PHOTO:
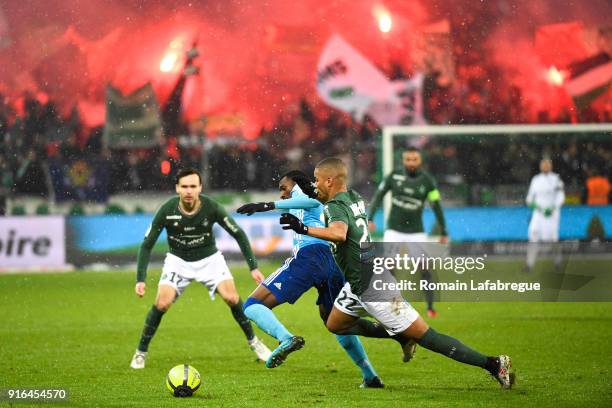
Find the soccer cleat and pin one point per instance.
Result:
(260, 349)
(138, 361)
(279, 355)
(409, 348)
(431, 313)
(504, 373)
(375, 382)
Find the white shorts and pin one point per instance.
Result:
(544, 229)
(396, 236)
(395, 316)
(413, 244)
(209, 271)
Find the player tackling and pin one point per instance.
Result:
(311, 266)
(410, 189)
(346, 226)
(188, 220)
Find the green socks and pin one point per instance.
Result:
(242, 320)
(451, 347)
(367, 328)
(151, 324)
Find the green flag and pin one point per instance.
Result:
(132, 120)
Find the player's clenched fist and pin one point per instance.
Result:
(290, 221)
(140, 289)
(257, 276)
(252, 208)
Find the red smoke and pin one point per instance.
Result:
(256, 57)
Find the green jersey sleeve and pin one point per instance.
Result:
(382, 189)
(433, 196)
(335, 212)
(150, 238)
(232, 228)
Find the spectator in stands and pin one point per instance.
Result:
(6, 184)
(597, 188)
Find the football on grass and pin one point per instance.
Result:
(183, 380)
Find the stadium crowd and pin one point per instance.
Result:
(36, 141)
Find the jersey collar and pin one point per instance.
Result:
(296, 190)
(417, 173)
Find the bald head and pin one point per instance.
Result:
(330, 178)
(546, 165)
(333, 167)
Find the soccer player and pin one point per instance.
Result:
(312, 265)
(188, 220)
(545, 197)
(346, 226)
(410, 188)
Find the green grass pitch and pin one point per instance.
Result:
(78, 331)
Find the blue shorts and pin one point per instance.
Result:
(312, 266)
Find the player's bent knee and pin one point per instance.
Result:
(163, 304)
(250, 302)
(232, 299)
(165, 297)
(333, 327)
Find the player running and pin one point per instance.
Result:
(312, 265)
(346, 226)
(410, 188)
(188, 220)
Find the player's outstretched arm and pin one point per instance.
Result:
(252, 208)
(296, 203)
(300, 202)
(335, 232)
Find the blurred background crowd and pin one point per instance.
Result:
(50, 151)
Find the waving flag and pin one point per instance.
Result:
(347, 81)
(132, 120)
(589, 78)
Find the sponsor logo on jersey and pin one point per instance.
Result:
(174, 217)
(197, 239)
(407, 203)
(278, 285)
(189, 228)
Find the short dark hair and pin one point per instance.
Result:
(187, 172)
(412, 149)
(336, 165)
(293, 174)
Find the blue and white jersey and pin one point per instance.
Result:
(309, 211)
